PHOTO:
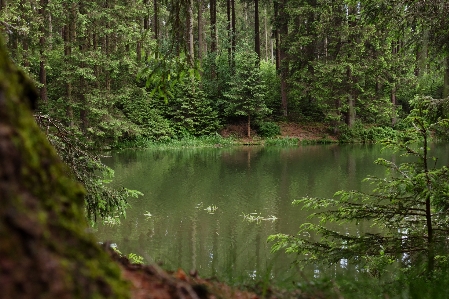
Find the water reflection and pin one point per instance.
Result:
(192, 212)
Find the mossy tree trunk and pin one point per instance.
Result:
(45, 251)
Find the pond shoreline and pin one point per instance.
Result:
(291, 134)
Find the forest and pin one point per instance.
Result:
(163, 70)
(116, 74)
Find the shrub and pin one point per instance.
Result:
(268, 129)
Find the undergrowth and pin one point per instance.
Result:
(203, 141)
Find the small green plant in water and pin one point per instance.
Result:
(111, 220)
(211, 209)
(132, 257)
(256, 217)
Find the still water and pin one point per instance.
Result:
(192, 214)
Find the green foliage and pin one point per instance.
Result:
(191, 111)
(343, 60)
(272, 82)
(363, 134)
(287, 141)
(217, 72)
(132, 257)
(101, 199)
(268, 129)
(247, 91)
(408, 210)
(136, 106)
(213, 140)
(185, 106)
(163, 75)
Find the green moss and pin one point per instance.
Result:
(42, 224)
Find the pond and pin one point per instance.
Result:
(212, 209)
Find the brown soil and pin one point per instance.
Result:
(309, 131)
(151, 282)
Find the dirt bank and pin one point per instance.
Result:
(309, 132)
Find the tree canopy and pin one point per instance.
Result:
(112, 68)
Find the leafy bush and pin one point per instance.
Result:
(360, 133)
(191, 111)
(268, 129)
(136, 105)
(247, 90)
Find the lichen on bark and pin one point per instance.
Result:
(45, 249)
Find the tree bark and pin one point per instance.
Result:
(200, 30)
(228, 27)
(393, 105)
(82, 86)
(276, 35)
(350, 79)
(45, 249)
(249, 126)
(213, 34)
(446, 77)
(42, 51)
(267, 57)
(233, 36)
(156, 26)
(190, 33)
(213, 26)
(283, 63)
(256, 29)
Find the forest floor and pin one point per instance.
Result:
(303, 132)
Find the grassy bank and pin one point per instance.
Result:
(219, 141)
(289, 134)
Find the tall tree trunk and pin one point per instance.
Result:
(156, 26)
(394, 52)
(233, 31)
(266, 34)
(190, 33)
(351, 80)
(24, 37)
(146, 25)
(139, 51)
(213, 34)
(228, 28)
(350, 114)
(276, 35)
(68, 84)
(42, 51)
(249, 126)
(446, 77)
(95, 48)
(200, 30)
(82, 86)
(43, 76)
(69, 39)
(422, 54)
(108, 49)
(256, 29)
(213, 26)
(283, 63)
(393, 105)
